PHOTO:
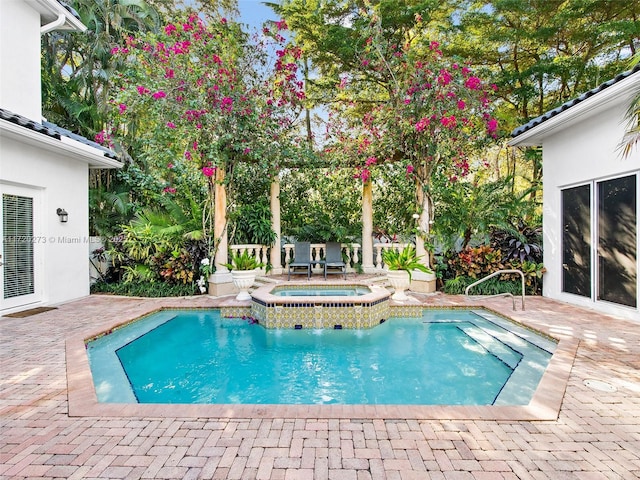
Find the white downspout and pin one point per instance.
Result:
(53, 25)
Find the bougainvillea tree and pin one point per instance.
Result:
(200, 97)
(433, 115)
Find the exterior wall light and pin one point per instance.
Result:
(62, 213)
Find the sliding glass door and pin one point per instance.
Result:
(576, 240)
(617, 241)
(600, 240)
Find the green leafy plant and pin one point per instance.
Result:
(532, 274)
(243, 261)
(145, 289)
(405, 259)
(493, 286)
(252, 224)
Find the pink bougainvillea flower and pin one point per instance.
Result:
(143, 90)
(170, 165)
(449, 122)
(169, 73)
(158, 95)
(171, 125)
(101, 137)
(169, 29)
(365, 63)
(410, 169)
(208, 171)
(282, 25)
(169, 190)
(492, 126)
(461, 104)
(473, 83)
(122, 108)
(246, 151)
(226, 104)
(445, 77)
(422, 124)
(187, 155)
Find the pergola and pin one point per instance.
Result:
(220, 283)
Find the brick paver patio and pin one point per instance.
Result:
(596, 434)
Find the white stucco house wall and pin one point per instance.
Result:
(591, 194)
(43, 168)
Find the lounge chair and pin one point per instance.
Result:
(301, 262)
(333, 260)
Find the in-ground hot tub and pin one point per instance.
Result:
(308, 305)
(307, 290)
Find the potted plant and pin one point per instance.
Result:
(243, 272)
(400, 263)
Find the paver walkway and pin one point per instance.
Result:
(596, 434)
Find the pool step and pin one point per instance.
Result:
(261, 281)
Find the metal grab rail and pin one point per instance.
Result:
(499, 272)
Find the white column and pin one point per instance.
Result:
(423, 282)
(367, 228)
(220, 283)
(275, 259)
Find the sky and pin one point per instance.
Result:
(254, 12)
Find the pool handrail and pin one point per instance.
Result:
(499, 272)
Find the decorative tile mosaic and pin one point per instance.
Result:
(235, 312)
(325, 315)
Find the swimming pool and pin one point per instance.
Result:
(450, 357)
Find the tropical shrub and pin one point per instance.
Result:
(493, 286)
(475, 262)
(145, 289)
(472, 264)
(251, 224)
(523, 243)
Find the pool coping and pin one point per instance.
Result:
(545, 404)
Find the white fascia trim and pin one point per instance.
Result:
(52, 9)
(66, 146)
(616, 93)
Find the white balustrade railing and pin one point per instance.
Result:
(352, 252)
(378, 249)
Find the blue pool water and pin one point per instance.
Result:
(320, 291)
(448, 357)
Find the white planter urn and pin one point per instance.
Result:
(243, 279)
(400, 281)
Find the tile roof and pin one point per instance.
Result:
(565, 106)
(54, 131)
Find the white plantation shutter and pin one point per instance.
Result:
(17, 255)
